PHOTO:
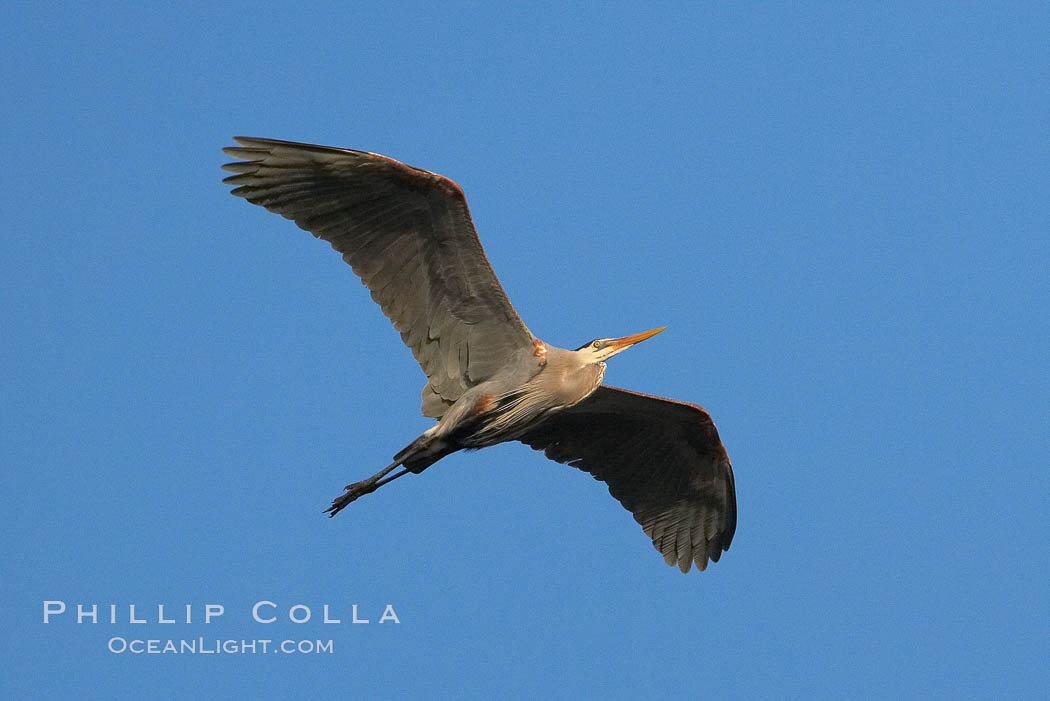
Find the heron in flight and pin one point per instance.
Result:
(408, 234)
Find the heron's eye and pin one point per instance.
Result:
(597, 344)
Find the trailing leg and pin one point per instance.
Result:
(359, 489)
(415, 457)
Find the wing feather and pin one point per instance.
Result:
(407, 233)
(661, 459)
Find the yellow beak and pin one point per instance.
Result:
(626, 341)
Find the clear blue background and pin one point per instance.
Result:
(840, 212)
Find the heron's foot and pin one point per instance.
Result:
(353, 492)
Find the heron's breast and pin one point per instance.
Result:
(565, 386)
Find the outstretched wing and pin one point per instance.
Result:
(662, 460)
(408, 234)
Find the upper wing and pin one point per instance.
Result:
(408, 234)
(662, 460)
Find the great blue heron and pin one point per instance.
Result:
(409, 236)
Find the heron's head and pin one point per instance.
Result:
(601, 349)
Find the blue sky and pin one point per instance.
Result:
(841, 214)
